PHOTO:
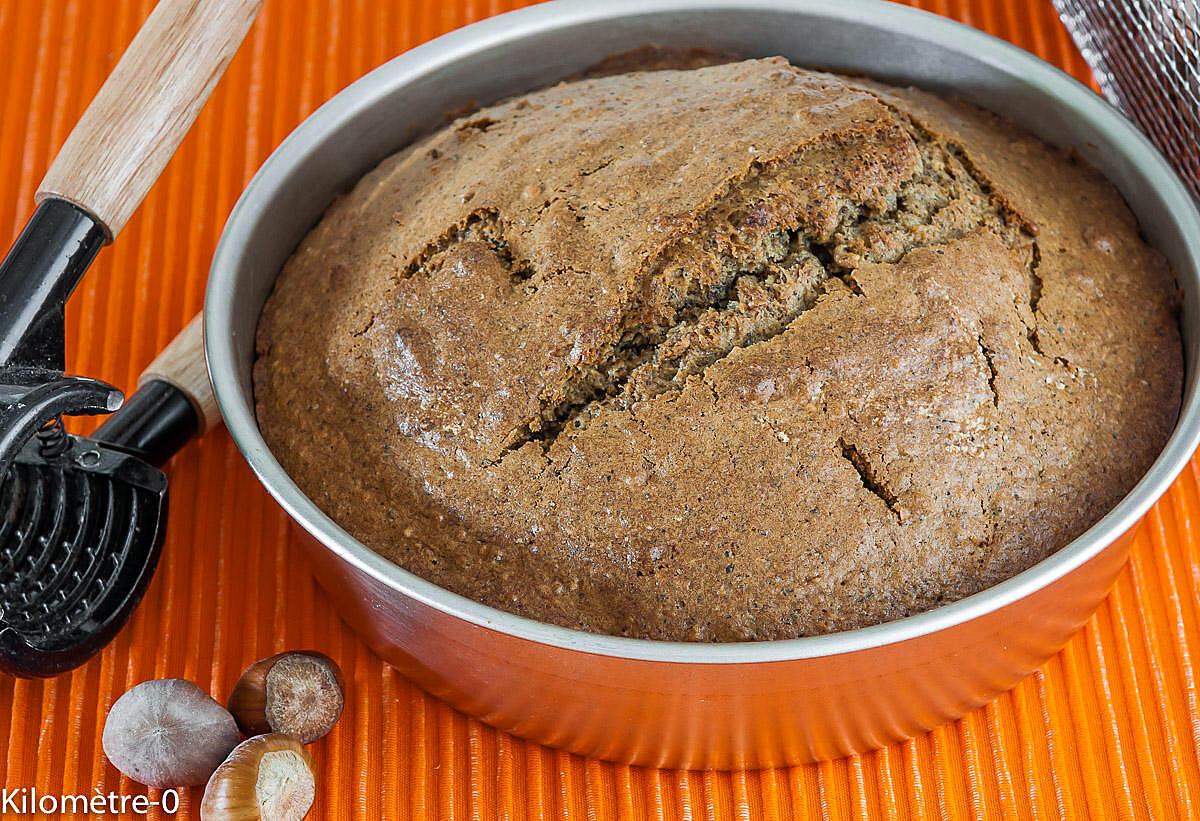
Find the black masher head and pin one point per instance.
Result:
(81, 533)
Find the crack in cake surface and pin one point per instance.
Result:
(870, 478)
(988, 355)
(1035, 294)
(484, 226)
(787, 260)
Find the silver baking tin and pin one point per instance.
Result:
(669, 703)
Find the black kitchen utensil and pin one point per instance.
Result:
(83, 518)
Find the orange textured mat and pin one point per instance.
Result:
(1108, 728)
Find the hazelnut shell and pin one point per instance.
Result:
(168, 733)
(300, 693)
(266, 777)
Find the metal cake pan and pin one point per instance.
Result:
(680, 704)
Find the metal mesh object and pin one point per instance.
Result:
(1146, 57)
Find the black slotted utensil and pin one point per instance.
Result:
(83, 518)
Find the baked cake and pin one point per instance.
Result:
(736, 352)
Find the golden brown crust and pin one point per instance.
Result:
(738, 352)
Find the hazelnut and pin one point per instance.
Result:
(168, 733)
(300, 693)
(268, 777)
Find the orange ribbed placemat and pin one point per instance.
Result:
(1110, 727)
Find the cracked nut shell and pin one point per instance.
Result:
(266, 777)
(300, 693)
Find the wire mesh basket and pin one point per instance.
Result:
(1146, 57)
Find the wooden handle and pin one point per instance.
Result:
(181, 363)
(145, 107)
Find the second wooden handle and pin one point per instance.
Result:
(146, 106)
(181, 363)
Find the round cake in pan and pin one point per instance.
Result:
(728, 353)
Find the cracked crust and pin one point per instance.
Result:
(735, 352)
